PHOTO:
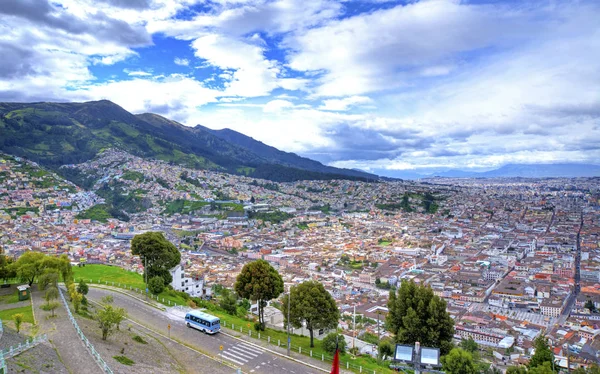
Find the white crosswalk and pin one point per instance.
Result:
(241, 353)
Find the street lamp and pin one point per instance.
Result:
(288, 320)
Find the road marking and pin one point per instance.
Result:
(225, 355)
(250, 348)
(244, 354)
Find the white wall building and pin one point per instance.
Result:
(192, 286)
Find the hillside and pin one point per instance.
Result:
(55, 134)
(275, 155)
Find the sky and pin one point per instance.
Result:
(378, 85)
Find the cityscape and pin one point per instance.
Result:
(513, 258)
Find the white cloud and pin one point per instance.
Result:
(275, 106)
(345, 103)
(377, 51)
(181, 61)
(137, 73)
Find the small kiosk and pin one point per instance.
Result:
(24, 292)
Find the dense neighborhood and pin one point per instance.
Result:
(513, 258)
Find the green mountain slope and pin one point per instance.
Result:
(55, 134)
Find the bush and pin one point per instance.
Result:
(156, 285)
(259, 326)
(139, 339)
(124, 360)
(329, 343)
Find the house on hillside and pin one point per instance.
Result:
(193, 286)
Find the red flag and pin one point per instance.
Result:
(335, 368)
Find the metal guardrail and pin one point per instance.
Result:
(86, 342)
(22, 347)
(18, 349)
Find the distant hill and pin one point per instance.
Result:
(513, 171)
(280, 157)
(55, 134)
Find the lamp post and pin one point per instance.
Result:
(146, 275)
(288, 320)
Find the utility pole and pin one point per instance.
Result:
(354, 327)
(378, 333)
(288, 320)
(146, 275)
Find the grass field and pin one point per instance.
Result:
(9, 299)
(108, 273)
(6, 315)
(119, 277)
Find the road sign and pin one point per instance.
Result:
(220, 347)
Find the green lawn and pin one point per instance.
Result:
(6, 315)
(120, 277)
(108, 273)
(9, 299)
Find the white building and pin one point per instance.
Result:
(192, 286)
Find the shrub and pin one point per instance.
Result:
(139, 339)
(156, 285)
(124, 360)
(329, 343)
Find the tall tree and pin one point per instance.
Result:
(260, 282)
(29, 266)
(542, 354)
(7, 271)
(459, 361)
(417, 315)
(312, 305)
(157, 254)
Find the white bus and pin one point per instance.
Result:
(204, 322)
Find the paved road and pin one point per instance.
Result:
(249, 357)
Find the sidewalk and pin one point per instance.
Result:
(63, 337)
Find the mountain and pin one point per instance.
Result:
(544, 171)
(279, 157)
(55, 134)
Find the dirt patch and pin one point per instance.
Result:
(41, 359)
(143, 352)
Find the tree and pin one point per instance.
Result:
(77, 300)
(48, 278)
(312, 305)
(516, 370)
(417, 315)
(385, 348)
(83, 288)
(18, 318)
(589, 305)
(458, 361)
(545, 368)
(29, 266)
(332, 340)
(52, 306)
(156, 285)
(469, 345)
(109, 317)
(51, 294)
(260, 282)
(157, 254)
(228, 301)
(542, 353)
(7, 271)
